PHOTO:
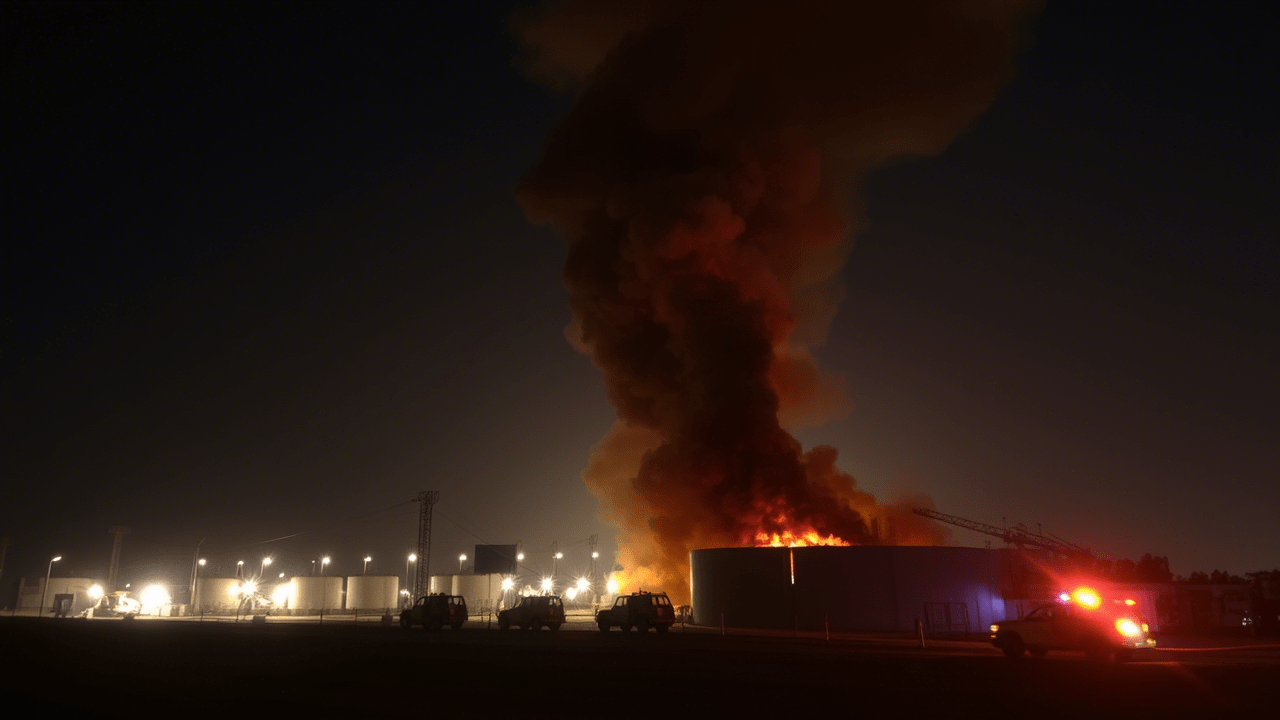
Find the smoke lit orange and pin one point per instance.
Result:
(702, 184)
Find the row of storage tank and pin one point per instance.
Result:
(362, 592)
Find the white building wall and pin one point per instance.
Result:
(30, 590)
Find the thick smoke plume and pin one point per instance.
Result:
(705, 180)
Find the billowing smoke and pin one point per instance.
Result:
(705, 181)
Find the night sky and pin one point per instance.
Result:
(266, 276)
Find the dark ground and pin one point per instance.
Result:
(223, 670)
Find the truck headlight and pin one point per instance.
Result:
(1128, 628)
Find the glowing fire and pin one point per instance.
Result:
(789, 539)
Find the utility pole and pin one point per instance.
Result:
(195, 558)
(119, 531)
(428, 499)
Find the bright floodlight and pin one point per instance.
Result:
(1087, 597)
(281, 575)
(546, 584)
(571, 593)
(1128, 628)
(583, 584)
(595, 555)
(248, 587)
(202, 562)
(612, 586)
(266, 561)
(507, 584)
(559, 555)
(520, 557)
(413, 557)
(95, 592)
(154, 596)
(280, 595)
(325, 560)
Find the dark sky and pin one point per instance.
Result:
(265, 275)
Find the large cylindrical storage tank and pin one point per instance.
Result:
(366, 592)
(860, 588)
(447, 584)
(316, 593)
(215, 594)
(479, 591)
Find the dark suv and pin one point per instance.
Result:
(533, 612)
(640, 610)
(433, 612)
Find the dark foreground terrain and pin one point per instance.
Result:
(196, 670)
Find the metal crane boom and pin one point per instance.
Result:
(1017, 537)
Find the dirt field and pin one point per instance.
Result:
(194, 670)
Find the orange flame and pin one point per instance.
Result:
(789, 539)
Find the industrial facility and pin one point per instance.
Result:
(861, 588)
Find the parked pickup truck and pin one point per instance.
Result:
(641, 610)
(433, 612)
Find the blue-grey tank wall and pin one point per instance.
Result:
(852, 589)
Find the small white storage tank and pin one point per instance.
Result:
(316, 593)
(447, 584)
(372, 592)
(480, 591)
(214, 594)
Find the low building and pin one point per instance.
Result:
(30, 590)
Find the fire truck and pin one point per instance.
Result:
(1081, 620)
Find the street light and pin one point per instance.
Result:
(412, 558)
(365, 569)
(44, 591)
(195, 571)
(263, 566)
(594, 557)
(240, 568)
(520, 557)
(323, 561)
(555, 564)
(195, 577)
(461, 559)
